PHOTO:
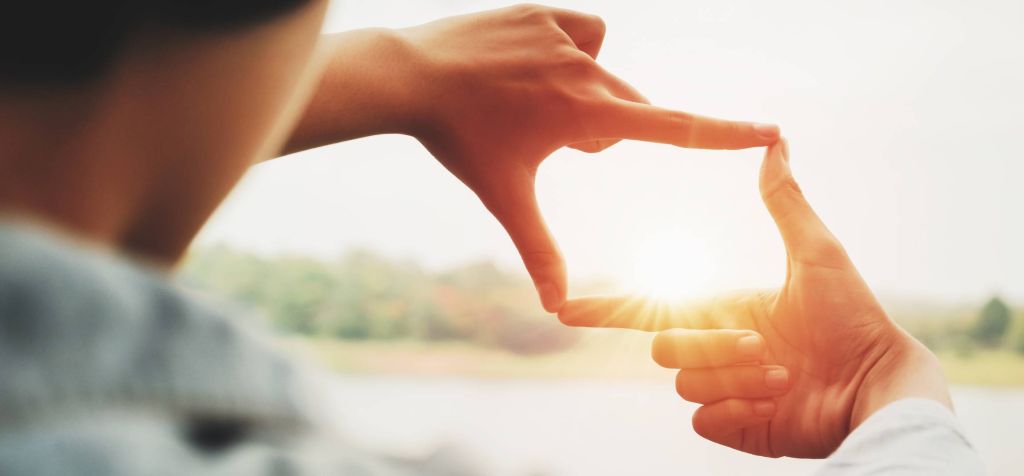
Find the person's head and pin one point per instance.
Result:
(128, 121)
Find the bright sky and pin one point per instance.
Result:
(904, 120)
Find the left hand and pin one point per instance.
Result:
(499, 91)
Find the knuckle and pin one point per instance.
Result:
(825, 251)
(576, 108)
(680, 119)
(737, 408)
(541, 259)
(786, 186)
(683, 123)
(531, 11)
(686, 388)
(737, 134)
(577, 63)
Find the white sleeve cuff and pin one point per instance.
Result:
(913, 436)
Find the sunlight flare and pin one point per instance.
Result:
(670, 266)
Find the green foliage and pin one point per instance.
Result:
(1018, 341)
(365, 296)
(963, 346)
(960, 329)
(992, 324)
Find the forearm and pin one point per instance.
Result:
(907, 370)
(366, 89)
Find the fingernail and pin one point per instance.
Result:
(549, 296)
(776, 379)
(785, 149)
(765, 408)
(767, 131)
(750, 346)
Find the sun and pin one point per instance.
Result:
(670, 265)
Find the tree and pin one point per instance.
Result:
(368, 296)
(992, 324)
(1018, 341)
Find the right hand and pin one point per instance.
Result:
(829, 358)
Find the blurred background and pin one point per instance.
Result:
(904, 120)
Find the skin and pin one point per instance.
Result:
(789, 372)
(136, 161)
(147, 152)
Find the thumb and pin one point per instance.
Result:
(516, 208)
(805, 235)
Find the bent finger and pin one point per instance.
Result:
(741, 381)
(724, 422)
(585, 30)
(690, 349)
(617, 88)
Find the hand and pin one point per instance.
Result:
(497, 92)
(818, 356)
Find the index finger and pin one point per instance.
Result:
(632, 313)
(637, 121)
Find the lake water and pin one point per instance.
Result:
(596, 428)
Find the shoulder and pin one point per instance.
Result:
(108, 367)
(84, 331)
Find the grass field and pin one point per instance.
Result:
(598, 356)
(984, 368)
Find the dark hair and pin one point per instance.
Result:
(62, 42)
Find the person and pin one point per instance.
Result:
(123, 124)
(811, 369)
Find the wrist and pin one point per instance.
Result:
(905, 369)
(393, 80)
(378, 68)
(365, 90)
(426, 79)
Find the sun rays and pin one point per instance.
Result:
(671, 265)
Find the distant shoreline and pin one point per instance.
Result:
(601, 355)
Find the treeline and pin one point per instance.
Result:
(966, 329)
(365, 296)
